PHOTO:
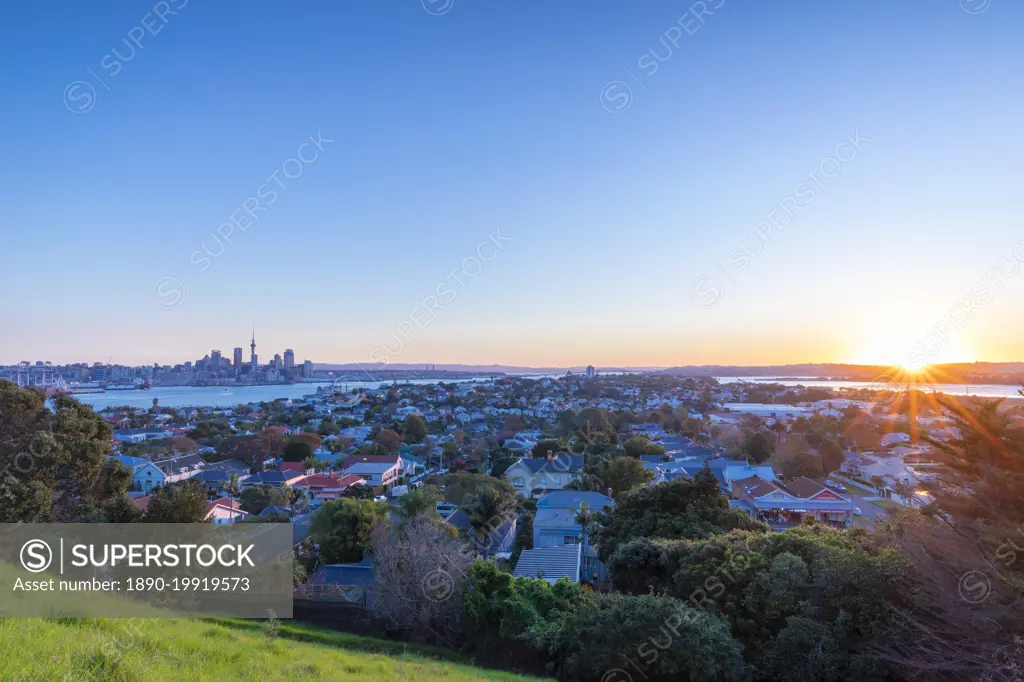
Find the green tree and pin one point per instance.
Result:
(758, 447)
(422, 501)
(234, 487)
(802, 464)
(121, 509)
(545, 447)
(624, 474)
(256, 498)
(389, 439)
(458, 487)
(489, 508)
(831, 455)
(183, 502)
(297, 451)
(359, 491)
(54, 464)
(774, 587)
(524, 537)
(211, 430)
(414, 429)
(253, 450)
(344, 528)
(328, 428)
(636, 446)
(683, 508)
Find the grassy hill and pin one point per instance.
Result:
(215, 650)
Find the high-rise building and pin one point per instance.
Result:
(215, 361)
(590, 371)
(278, 362)
(238, 359)
(289, 358)
(307, 369)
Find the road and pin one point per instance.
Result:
(869, 512)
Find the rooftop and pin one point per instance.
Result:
(550, 563)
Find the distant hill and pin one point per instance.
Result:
(955, 373)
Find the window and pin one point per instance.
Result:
(571, 540)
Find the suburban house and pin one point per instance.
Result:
(555, 524)
(224, 510)
(322, 487)
(142, 435)
(181, 464)
(784, 505)
(535, 476)
(298, 468)
(118, 420)
(277, 479)
(377, 473)
(129, 461)
(550, 563)
(147, 477)
(725, 470)
(374, 459)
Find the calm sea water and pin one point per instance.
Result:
(980, 390)
(220, 396)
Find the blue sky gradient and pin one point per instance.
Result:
(449, 126)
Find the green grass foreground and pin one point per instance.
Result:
(47, 650)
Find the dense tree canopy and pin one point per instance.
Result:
(344, 527)
(54, 465)
(605, 472)
(759, 447)
(683, 508)
(414, 429)
(183, 502)
(255, 498)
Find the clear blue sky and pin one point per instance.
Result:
(447, 126)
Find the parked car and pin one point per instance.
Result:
(856, 511)
(445, 508)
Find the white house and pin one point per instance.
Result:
(224, 510)
(142, 435)
(381, 474)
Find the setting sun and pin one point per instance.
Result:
(911, 351)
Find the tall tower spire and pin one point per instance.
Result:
(253, 360)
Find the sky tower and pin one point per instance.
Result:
(252, 346)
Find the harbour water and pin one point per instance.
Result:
(221, 396)
(977, 390)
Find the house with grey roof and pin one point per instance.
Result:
(535, 476)
(550, 563)
(555, 524)
(180, 464)
(351, 583)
